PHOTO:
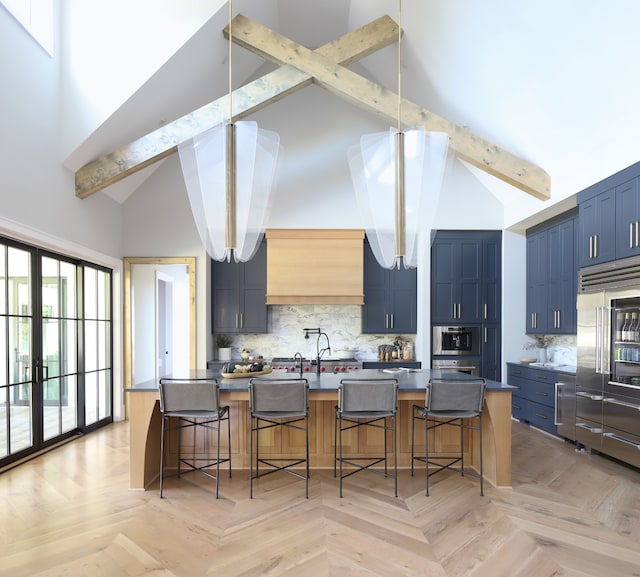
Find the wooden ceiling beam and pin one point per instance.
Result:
(160, 143)
(384, 103)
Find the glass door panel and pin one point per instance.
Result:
(16, 393)
(43, 342)
(58, 342)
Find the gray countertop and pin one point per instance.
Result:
(571, 369)
(407, 380)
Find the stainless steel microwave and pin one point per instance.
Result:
(456, 340)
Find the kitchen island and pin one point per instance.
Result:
(145, 425)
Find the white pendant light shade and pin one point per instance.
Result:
(398, 200)
(229, 186)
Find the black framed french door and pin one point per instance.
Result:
(55, 342)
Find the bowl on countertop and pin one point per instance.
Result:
(345, 353)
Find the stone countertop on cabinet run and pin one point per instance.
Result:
(414, 380)
(570, 369)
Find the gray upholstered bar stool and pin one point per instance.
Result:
(450, 403)
(193, 404)
(280, 403)
(366, 403)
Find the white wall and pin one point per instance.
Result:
(36, 190)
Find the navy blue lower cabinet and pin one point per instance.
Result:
(534, 401)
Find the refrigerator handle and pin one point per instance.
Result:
(598, 355)
(606, 339)
(556, 414)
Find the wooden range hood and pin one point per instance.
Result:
(315, 266)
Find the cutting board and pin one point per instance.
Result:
(245, 375)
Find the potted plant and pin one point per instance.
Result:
(540, 344)
(223, 342)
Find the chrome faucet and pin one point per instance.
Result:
(319, 351)
(296, 357)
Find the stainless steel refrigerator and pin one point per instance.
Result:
(608, 371)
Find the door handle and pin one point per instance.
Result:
(485, 311)
(595, 245)
(590, 246)
(596, 430)
(630, 235)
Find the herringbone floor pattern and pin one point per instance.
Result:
(69, 513)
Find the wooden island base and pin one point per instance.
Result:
(145, 427)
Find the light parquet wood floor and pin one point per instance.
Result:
(70, 513)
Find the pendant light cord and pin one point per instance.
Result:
(230, 63)
(399, 63)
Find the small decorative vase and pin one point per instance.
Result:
(224, 354)
(542, 355)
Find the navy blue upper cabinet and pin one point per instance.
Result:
(597, 227)
(537, 278)
(239, 295)
(390, 298)
(627, 219)
(492, 278)
(466, 277)
(552, 276)
(610, 218)
(563, 276)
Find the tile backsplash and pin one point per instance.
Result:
(342, 323)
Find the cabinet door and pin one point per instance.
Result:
(491, 355)
(374, 315)
(627, 219)
(253, 293)
(444, 297)
(402, 299)
(561, 294)
(225, 291)
(597, 229)
(470, 282)
(537, 270)
(492, 279)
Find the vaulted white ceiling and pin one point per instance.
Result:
(552, 82)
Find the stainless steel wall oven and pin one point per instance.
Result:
(456, 340)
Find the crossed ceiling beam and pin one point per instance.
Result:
(299, 67)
